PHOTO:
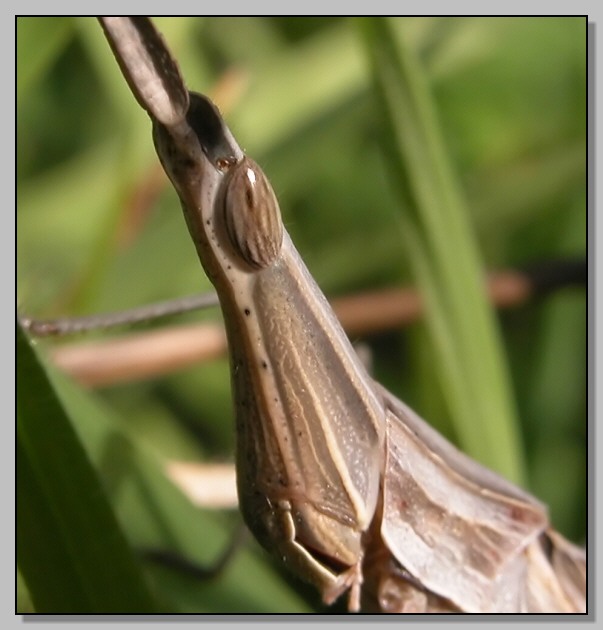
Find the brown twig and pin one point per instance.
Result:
(148, 354)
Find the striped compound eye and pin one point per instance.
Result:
(251, 215)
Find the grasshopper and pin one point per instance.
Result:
(342, 481)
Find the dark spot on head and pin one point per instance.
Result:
(247, 312)
(264, 364)
(547, 546)
(249, 198)
(203, 117)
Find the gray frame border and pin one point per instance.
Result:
(529, 7)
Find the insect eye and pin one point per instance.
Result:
(251, 215)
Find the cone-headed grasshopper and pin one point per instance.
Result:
(345, 483)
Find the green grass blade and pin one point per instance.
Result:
(71, 551)
(445, 257)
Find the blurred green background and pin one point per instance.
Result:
(510, 94)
